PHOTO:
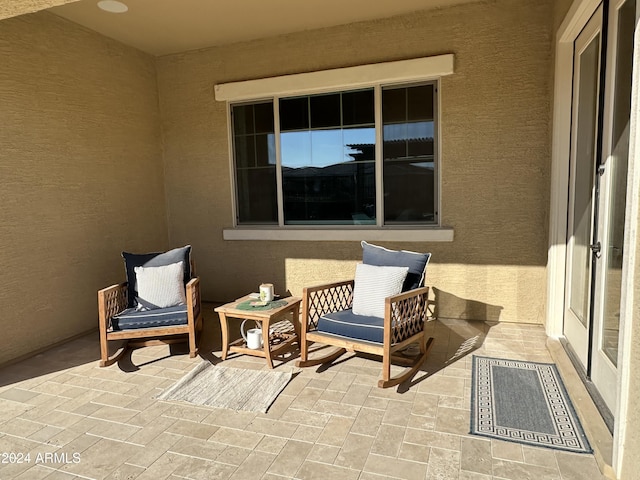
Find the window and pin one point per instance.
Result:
(255, 163)
(408, 155)
(356, 157)
(327, 151)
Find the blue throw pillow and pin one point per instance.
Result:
(383, 257)
(156, 259)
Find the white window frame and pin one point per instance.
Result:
(377, 75)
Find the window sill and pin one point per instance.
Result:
(408, 234)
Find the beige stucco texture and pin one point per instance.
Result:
(13, 8)
(81, 175)
(495, 155)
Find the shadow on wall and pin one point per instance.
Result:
(448, 305)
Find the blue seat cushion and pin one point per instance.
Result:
(349, 325)
(131, 318)
(383, 257)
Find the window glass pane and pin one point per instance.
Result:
(255, 171)
(619, 167)
(395, 140)
(294, 113)
(243, 119)
(339, 194)
(420, 146)
(580, 228)
(295, 149)
(265, 150)
(358, 108)
(408, 192)
(256, 195)
(325, 110)
(408, 151)
(394, 105)
(360, 144)
(245, 151)
(336, 184)
(264, 118)
(420, 103)
(327, 147)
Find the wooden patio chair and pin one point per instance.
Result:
(328, 319)
(120, 320)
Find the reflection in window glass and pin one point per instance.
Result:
(408, 154)
(328, 170)
(255, 163)
(295, 149)
(360, 144)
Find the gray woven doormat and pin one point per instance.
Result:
(524, 402)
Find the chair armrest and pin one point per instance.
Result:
(405, 314)
(322, 299)
(193, 299)
(111, 301)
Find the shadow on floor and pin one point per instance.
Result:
(459, 336)
(73, 353)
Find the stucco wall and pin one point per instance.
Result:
(13, 8)
(495, 155)
(80, 172)
(560, 9)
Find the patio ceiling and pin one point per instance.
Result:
(161, 27)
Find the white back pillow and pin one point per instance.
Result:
(372, 285)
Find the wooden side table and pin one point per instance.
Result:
(274, 342)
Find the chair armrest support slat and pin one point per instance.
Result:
(193, 299)
(405, 314)
(322, 299)
(111, 301)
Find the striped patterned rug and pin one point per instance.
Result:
(524, 402)
(227, 387)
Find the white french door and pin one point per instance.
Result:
(582, 188)
(612, 200)
(597, 195)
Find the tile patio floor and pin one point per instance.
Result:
(333, 424)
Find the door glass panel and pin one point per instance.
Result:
(583, 180)
(617, 165)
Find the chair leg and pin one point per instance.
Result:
(305, 362)
(104, 351)
(104, 343)
(105, 361)
(193, 349)
(387, 381)
(304, 350)
(386, 369)
(193, 345)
